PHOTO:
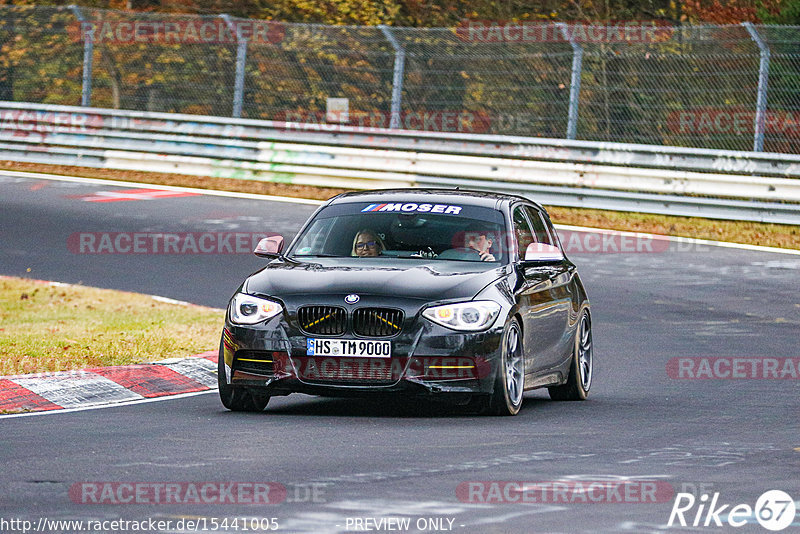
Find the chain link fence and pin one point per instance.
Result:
(727, 87)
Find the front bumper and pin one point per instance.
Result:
(426, 360)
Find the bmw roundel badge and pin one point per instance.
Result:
(352, 298)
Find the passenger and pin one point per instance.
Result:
(367, 244)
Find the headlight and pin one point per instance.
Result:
(247, 309)
(468, 316)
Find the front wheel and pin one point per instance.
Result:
(234, 398)
(510, 380)
(581, 368)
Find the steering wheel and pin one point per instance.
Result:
(460, 253)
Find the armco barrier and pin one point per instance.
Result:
(678, 181)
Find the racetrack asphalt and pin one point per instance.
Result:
(343, 460)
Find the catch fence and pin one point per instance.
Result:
(725, 87)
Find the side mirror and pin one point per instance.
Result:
(540, 253)
(269, 247)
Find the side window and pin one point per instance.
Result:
(522, 231)
(554, 237)
(541, 229)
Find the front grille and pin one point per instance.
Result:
(254, 361)
(377, 322)
(324, 320)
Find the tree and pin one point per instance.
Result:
(779, 12)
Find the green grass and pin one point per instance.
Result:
(55, 328)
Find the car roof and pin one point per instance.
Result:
(430, 195)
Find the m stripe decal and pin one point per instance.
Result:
(373, 207)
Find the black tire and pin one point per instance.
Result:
(579, 380)
(478, 405)
(237, 399)
(509, 383)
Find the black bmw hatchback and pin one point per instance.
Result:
(461, 296)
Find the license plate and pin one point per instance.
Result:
(349, 347)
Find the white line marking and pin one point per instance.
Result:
(126, 403)
(167, 300)
(208, 192)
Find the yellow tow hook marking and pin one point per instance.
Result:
(317, 321)
(386, 321)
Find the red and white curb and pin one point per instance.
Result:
(100, 386)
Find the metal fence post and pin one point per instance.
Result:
(397, 81)
(575, 81)
(88, 56)
(763, 80)
(241, 59)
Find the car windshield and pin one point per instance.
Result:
(404, 230)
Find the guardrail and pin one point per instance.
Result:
(645, 178)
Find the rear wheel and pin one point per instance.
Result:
(581, 368)
(234, 398)
(510, 380)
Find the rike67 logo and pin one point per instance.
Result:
(774, 510)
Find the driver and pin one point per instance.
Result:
(367, 243)
(480, 239)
